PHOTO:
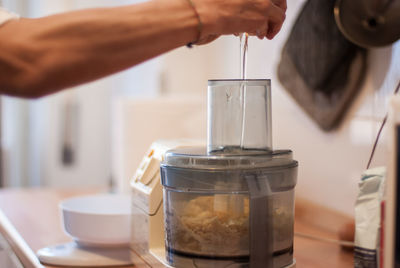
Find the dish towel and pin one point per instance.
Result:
(319, 68)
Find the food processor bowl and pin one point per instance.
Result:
(224, 210)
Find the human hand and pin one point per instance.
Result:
(263, 18)
(207, 39)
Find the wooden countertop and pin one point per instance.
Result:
(35, 215)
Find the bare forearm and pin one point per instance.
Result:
(48, 54)
(42, 56)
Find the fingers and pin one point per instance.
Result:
(281, 4)
(262, 18)
(276, 18)
(262, 33)
(272, 31)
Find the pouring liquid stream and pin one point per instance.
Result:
(235, 203)
(244, 39)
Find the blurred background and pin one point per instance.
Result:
(95, 135)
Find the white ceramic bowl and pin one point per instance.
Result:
(98, 220)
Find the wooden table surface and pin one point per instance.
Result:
(35, 215)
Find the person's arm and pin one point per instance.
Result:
(41, 56)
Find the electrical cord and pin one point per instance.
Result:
(380, 130)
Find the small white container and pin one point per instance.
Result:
(98, 220)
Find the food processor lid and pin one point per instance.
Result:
(229, 82)
(198, 158)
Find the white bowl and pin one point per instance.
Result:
(98, 220)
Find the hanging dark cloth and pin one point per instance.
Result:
(321, 69)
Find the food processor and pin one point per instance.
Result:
(231, 203)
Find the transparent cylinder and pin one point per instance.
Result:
(239, 115)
